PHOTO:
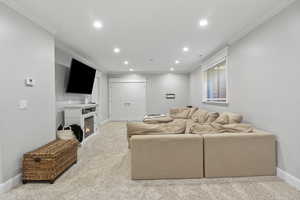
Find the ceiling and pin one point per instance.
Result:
(149, 33)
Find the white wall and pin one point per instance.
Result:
(1, 159)
(264, 83)
(158, 85)
(26, 50)
(104, 105)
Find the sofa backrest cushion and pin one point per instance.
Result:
(212, 116)
(234, 117)
(222, 119)
(229, 118)
(179, 113)
(200, 116)
(189, 124)
(192, 111)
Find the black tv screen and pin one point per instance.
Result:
(81, 78)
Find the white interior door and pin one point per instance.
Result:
(127, 101)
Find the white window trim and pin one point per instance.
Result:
(219, 57)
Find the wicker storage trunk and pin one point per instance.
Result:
(49, 161)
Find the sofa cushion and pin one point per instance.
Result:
(222, 119)
(189, 124)
(200, 116)
(157, 120)
(213, 128)
(192, 111)
(179, 113)
(203, 116)
(212, 116)
(234, 117)
(229, 118)
(177, 126)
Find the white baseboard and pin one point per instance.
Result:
(11, 183)
(290, 179)
(17, 180)
(104, 122)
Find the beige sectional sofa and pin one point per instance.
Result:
(209, 145)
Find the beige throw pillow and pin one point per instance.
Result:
(192, 111)
(212, 116)
(200, 116)
(234, 117)
(179, 113)
(222, 119)
(229, 118)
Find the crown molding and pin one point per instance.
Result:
(77, 55)
(245, 30)
(16, 6)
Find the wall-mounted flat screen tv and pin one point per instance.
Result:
(81, 78)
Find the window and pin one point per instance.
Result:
(215, 81)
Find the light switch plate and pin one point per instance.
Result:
(23, 104)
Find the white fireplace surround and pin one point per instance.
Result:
(77, 113)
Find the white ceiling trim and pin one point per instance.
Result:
(247, 29)
(259, 21)
(63, 47)
(58, 44)
(236, 37)
(215, 59)
(35, 19)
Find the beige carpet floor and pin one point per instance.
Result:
(103, 172)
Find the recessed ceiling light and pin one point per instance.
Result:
(185, 49)
(98, 24)
(177, 61)
(117, 50)
(203, 22)
(172, 69)
(131, 70)
(126, 62)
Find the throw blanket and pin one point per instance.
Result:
(177, 126)
(157, 120)
(211, 128)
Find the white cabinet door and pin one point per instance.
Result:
(127, 101)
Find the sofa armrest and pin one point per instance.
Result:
(239, 154)
(166, 156)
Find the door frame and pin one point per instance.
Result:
(124, 80)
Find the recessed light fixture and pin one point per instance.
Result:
(117, 50)
(98, 24)
(131, 70)
(172, 69)
(185, 49)
(126, 62)
(177, 61)
(203, 22)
